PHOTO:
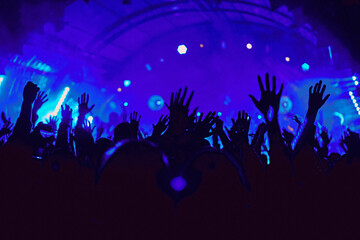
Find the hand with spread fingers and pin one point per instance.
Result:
(39, 101)
(269, 98)
(179, 112)
(316, 98)
(161, 126)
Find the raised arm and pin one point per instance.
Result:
(23, 124)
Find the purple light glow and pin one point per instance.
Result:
(178, 183)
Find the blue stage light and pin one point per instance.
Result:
(148, 67)
(305, 67)
(182, 49)
(112, 105)
(198, 114)
(126, 104)
(342, 119)
(219, 114)
(156, 103)
(259, 117)
(178, 183)
(127, 83)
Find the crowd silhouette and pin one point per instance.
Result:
(60, 181)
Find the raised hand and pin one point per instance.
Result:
(325, 137)
(66, 114)
(87, 127)
(219, 126)
(161, 125)
(243, 123)
(3, 118)
(316, 98)
(40, 100)
(100, 131)
(352, 142)
(258, 139)
(134, 123)
(30, 92)
(268, 98)
(203, 126)
(240, 128)
(52, 121)
(6, 129)
(179, 110)
(83, 105)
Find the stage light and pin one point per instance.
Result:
(287, 59)
(161, 60)
(330, 53)
(127, 83)
(342, 119)
(249, 46)
(259, 117)
(219, 114)
(126, 104)
(358, 109)
(61, 101)
(178, 183)
(350, 93)
(354, 78)
(148, 67)
(352, 96)
(156, 103)
(198, 114)
(2, 77)
(90, 119)
(201, 45)
(182, 49)
(119, 89)
(112, 105)
(356, 83)
(305, 67)
(356, 104)
(354, 100)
